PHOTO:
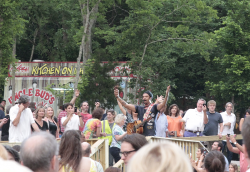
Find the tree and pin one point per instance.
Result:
(231, 80)
(152, 34)
(11, 26)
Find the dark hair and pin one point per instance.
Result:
(248, 111)
(136, 140)
(4, 101)
(68, 104)
(32, 105)
(202, 150)
(97, 113)
(17, 148)
(1, 106)
(113, 169)
(245, 133)
(171, 107)
(33, 109)
(70, 150)
(214, 162)
(13, 152)
(220, 145)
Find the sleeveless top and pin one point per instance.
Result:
(93, 167)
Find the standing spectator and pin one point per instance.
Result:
(3, 103)
(93, 126)
(214, 162)
(71, 121)
(195, 119)
(42, 125)
(20, 120)
(130, 145)
(71, 153)
(85, 115)
(146, 110)
(86, 151)
(218, 146)
(246, 138)
(39, 153)
(52, 124)
(5, 128)
(130, 118)
(160, 157)
(214, 120)
(62, 114)
(2, 115)
(229, 121)
(174, 123)
(117, 135)
(243, 119)
(239, 150)
(161, 123)
(107, 127)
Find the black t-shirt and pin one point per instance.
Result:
(43, 128)
(2, 115)
(211, 128)
(52, 128)
(55, 119)
(149, 127)
(5, 128)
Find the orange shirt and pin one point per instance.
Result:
(174, 124)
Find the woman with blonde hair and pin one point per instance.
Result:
(52, 124)
(40, 114)
(117, 135)
(160, 157)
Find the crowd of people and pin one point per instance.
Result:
(38, 129)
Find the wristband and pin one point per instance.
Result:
(80, 116)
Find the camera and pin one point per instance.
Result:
(75, 109)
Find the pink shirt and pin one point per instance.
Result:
(85, 118)
(61, 114)
(243, 163)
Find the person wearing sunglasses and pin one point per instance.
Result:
(131, 144)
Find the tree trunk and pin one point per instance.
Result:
(33, 45)
(13, 73)
(82, 46)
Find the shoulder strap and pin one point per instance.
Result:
(148, 111)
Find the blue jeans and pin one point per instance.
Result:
(229, 154)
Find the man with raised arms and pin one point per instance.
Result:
(146, 110)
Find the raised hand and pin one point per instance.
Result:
(116, 92)
(159, 99)
(168, 89)
(77, 92)
(204, 108)
(97, 104)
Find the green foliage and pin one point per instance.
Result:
(11, 26)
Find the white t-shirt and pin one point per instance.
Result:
(73, 123)
(194, 119)
(23, 129)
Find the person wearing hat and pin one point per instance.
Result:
(144, 112)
